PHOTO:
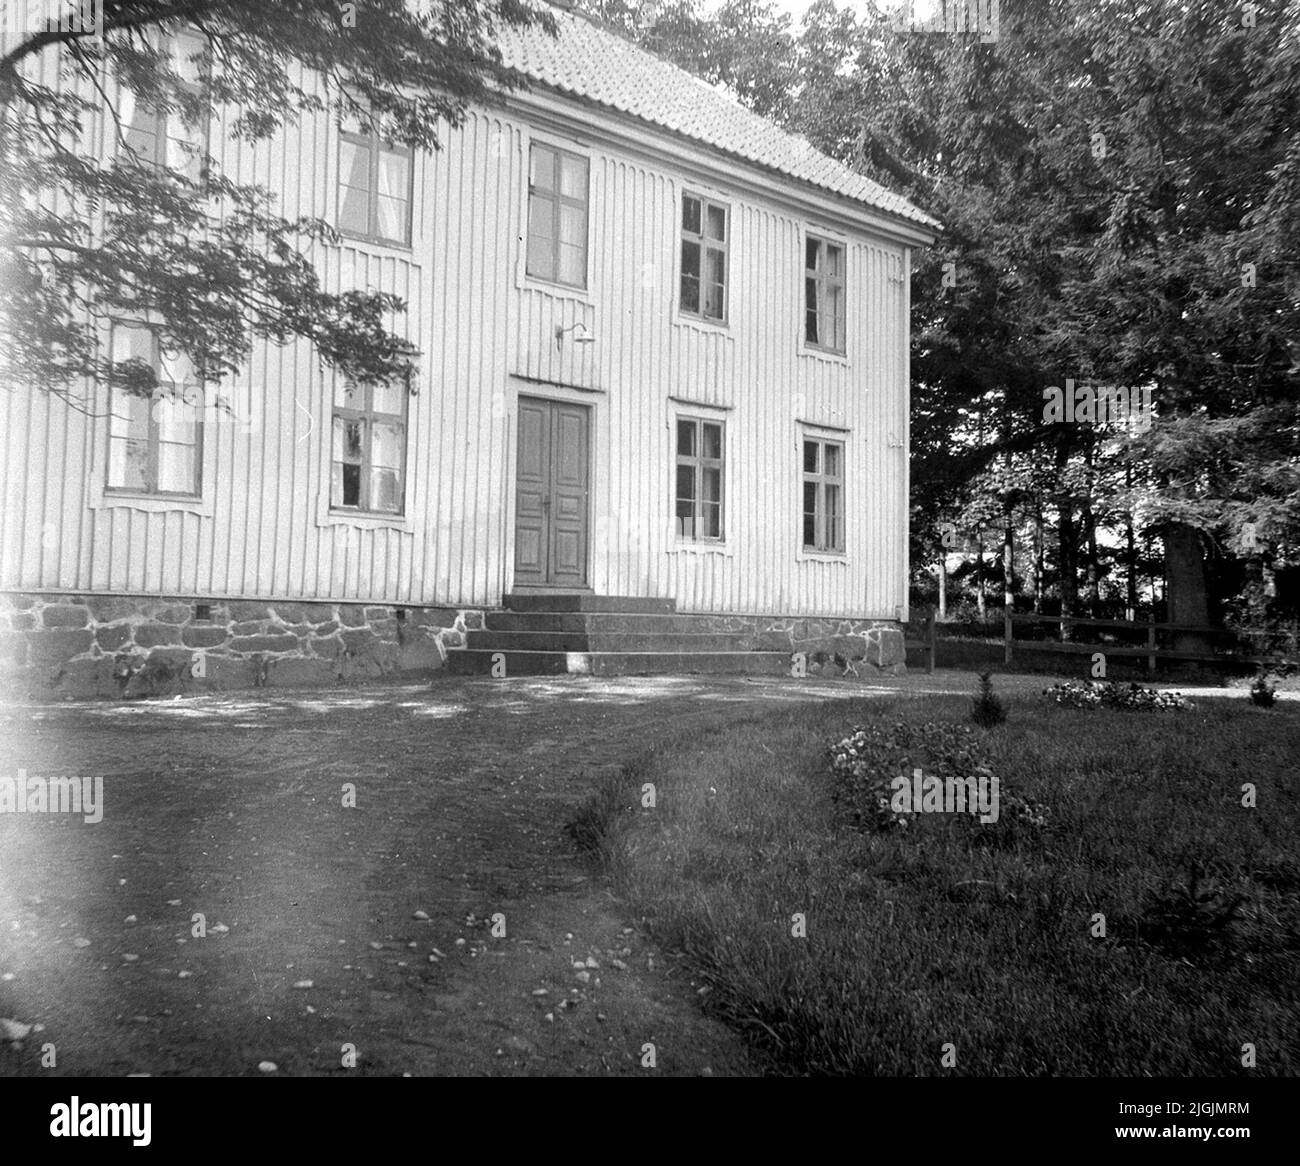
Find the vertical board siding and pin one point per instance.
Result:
(487, 334)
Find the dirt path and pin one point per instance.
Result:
(231, 806)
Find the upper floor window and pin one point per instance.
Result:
(368, 472)
(705, 238)
(375, 179)
(823, 496)
(557, 216)
(824, 294)
(154, 444)
(699, 479)
(175, 140)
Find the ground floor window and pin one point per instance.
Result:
(698, 494)
(369, 454)
(823, 495)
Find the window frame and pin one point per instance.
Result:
(151, 469)
(164, 120)
(702, 240)
(822, 479)
(822, 280)
(558, 201)
(699, 463)
(375, 145)
(369, 416)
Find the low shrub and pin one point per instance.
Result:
(1091, 694)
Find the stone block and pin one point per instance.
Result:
(85, 679)
(21, 621)
(13, 649)
(113, 636)
(264, 644)
(65, 615)
(248, 609)
(351, 615)
(204, 636)
(106, 608)
(436, 617)
(156, 635)
(248, 627)
(420, 654)
(173, 613)
(55, 645)
(357, 639)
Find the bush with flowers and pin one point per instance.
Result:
(1091, 694)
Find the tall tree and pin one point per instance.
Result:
(86, 238)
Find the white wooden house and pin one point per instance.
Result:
(664, 370)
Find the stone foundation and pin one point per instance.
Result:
(95, 646)
(872, 646)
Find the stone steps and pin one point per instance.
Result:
(478, 662)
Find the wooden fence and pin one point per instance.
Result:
(1150, 632)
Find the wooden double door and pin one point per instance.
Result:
(552, 487)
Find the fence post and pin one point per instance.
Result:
(1007, 634)
(932, 636)
(1151, 645)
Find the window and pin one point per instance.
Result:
(170, 140)
(154, 445)
(557, 216)
(704, 258)
(824, 294)
(823, 496)
(374, 185)
(699, 479)
(369, 458)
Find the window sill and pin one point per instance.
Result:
(829, 354)
(560, 291)
(365, 521)
(701, 548)
(385, 244)
(151, 503)
(713, 327)
(807, 556)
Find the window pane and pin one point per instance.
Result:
(573, 265)
(141, 125)
(394, 218)
(573, 178)
(810, 459)
(175, 419)
(129, 417)
(690, 294)
(354, 187)
(686, 438)
(686, 483)
(717, 223)
(387, 398)
(127, 464)
(833, 461)
(715, 301)
(712, 441)
(835, 261)
(132, 342)
(690, 259)
(541, 257)
(835, 317)
(176, 368)
(349, 485)
(348, 395)
(810, 514)
(834, 539)
(176, 468)
(542, 173)
(347, 440)
(573, 226)
(712, 521)
(810, 323)
(717, 266)
(712, 484)
(186, 52)
(811, 248)
(385, 491)
(386, 446)
(691, 214)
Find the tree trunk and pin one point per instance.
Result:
(1186, 586)
(1038, 558)
(943, 585)
(1067, 569)
(979, 573)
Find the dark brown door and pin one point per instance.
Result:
(551, 486)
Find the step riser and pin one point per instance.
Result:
(604, 623)
(476, 663)
(624, 604)
(683, 644)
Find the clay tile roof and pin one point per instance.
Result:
(592, 64)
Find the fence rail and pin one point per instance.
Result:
(1150, 630)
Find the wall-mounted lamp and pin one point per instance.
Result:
(580, 334)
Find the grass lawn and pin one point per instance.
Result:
(982, 938)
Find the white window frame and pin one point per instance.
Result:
(823, 438)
